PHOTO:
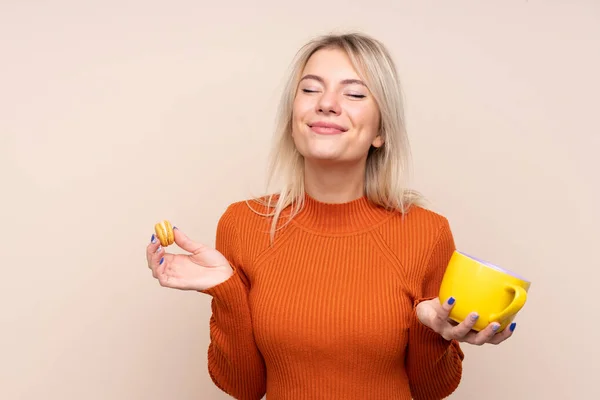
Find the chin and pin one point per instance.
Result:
(323, 158)
(319, 153)
(321, 148)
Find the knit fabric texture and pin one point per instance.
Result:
(328, 310)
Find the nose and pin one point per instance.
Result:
(328, 104)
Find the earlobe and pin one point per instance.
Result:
(378, 141)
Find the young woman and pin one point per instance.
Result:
(327, 289)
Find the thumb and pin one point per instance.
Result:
(185, 242)
(446, 307)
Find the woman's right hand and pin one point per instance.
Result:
(202, 269)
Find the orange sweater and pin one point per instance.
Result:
(327, 312)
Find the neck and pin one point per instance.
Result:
(339, 218)
(334, 183)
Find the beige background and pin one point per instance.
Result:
(116, 114)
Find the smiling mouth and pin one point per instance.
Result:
(326, 128)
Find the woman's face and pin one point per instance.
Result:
(335, 117)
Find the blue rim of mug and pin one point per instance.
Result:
(494, 266)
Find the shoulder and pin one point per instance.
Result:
(432, 230)
(422, 241)
(248, 222)
(423, 223)
(416, 236)
(249, 211)
(249, 219)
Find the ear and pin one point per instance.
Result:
(378, 141)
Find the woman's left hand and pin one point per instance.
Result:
(435, 315)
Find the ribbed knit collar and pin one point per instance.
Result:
(339, 218)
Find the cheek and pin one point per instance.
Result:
(367, 120)
(301, 112)
(302, 104)
(297, 112)
(376, 122)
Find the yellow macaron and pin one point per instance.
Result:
(164, 233)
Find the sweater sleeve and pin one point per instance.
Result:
(434, 364)
(235, 364)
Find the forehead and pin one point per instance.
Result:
(331, 64)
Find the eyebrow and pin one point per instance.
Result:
(344, 82)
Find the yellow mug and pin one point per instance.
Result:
(495, 294)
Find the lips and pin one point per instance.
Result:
(327, 128)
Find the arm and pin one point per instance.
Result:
(235, 364)
(434, 365)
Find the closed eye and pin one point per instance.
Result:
(355, 96)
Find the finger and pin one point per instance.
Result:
(159, 250)
(164, 263)
(505, 334)
(156, 262)
(446, 307)
(486, 334)
(186, 243)
(165, 272)
(460, 331)
(151, 248)
(470, 337)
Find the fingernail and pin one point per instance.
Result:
(451, 300)
(175, 227)
(474, 317)
(161, 260)
(159, 249)
(153, 238)
(495, 327)
(512, 326)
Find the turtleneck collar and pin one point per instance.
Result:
(340, 218)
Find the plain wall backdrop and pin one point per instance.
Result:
(117, 114)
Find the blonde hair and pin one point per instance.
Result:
(387, 168)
